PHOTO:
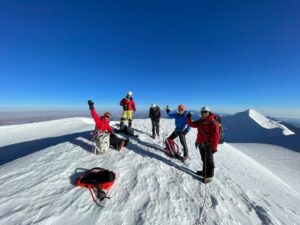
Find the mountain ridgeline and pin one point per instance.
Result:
(252, 127)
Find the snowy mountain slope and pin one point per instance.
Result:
(268, 123)
(281, 161)
(21, 140)
(150, 187)
(26, 132)
(252, 127)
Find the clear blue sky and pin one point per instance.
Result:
(229, 55)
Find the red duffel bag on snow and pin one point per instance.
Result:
(98, 180)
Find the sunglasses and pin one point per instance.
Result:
(107, 115)
(204, 112)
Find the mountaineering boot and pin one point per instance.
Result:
(129, 123)
(185, 157)
(126, 142)
(200, 173)
(208, 179)
(153, 134)
(121, 145)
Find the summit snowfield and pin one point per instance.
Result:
(40, 161)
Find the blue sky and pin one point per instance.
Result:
(229, 55)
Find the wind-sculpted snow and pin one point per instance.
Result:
(252, 127)
(268, 123)
(37, 187)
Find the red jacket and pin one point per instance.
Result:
(128, 104)
(101, 123)
(208, 131)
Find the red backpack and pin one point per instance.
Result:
(98, 180)
(172, 148)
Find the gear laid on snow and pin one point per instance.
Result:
(97, 180)
(126, 130)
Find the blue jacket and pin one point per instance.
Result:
(180, 121)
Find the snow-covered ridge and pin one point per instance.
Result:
(150, 187)
(10, 134)
(268, 123)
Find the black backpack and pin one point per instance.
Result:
(98, 180)
(218, 119)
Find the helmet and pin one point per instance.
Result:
(107, 115)
(181, 107)
(153, 105)
(129, 93)
(205, 109)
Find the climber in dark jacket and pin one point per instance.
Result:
(154, 114)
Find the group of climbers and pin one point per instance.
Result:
(207, 127)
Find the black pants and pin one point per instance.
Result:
(181, 135)
(115, 140)
(207, 158)
(155, 127)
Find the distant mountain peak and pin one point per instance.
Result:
(267, 123)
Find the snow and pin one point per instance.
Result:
(268, 123)
(251, 126)
(36, 187)
(283, 162)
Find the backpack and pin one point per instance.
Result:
(96, 180)
(172, 149)
(126, 130)
(101, 140)
(218, 119)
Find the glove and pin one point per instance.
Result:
(214, 151)
(189, 115)
(91, 104)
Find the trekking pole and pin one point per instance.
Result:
(163, 139)
(198, 221)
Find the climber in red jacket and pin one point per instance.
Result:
(128, 105)
(102, 125)
(207, 140)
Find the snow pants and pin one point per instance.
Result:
(126, 114)
(207, 158)
(155, 127)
